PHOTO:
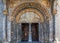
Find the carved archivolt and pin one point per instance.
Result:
(30, 10)
(31, 6)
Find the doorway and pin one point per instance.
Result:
(29, 32)
(25, 31)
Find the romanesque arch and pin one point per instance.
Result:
(37, 8)
(44, 14)
(18, 9)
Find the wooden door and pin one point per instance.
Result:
(25, 31)
(34, 28)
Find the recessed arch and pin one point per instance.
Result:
(30, 10)
(32, 5)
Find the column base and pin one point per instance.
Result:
(6, 42)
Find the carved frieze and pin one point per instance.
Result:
(14, 3)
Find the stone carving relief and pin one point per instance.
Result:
(31, 5)
(46, 3)
(29, 17)
(33, 14)
(15, 5)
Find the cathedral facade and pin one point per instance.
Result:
(28, 21)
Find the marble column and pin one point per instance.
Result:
(30, 35)
(9, 31)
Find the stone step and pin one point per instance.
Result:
(29, 42)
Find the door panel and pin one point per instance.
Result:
(34, 28)
(25, 31)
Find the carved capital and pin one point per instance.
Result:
(11, 18)
(54, 11)
(5, 12)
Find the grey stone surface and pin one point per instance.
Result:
(57, 22)
(1, 20)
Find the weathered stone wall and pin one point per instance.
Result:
(1, 20)
(57, 21)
